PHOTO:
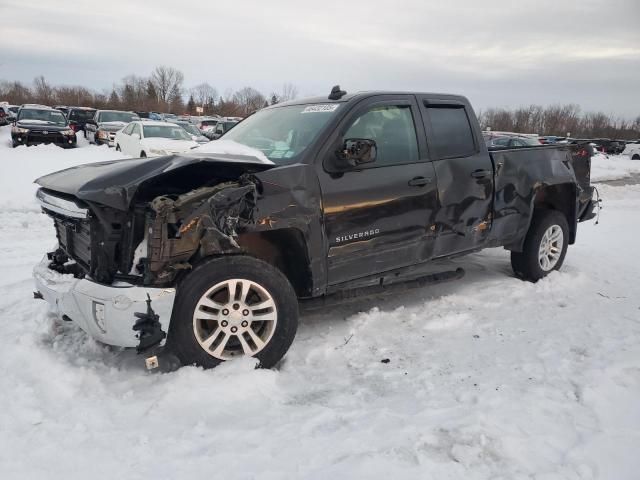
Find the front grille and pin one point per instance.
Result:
(39, 137)
(74, 237)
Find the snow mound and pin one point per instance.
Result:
(231, 147)
(612, 167)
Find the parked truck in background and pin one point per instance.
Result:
(307, 199)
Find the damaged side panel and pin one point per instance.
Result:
(522, 179)
(220, 219)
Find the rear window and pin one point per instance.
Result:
(81, 114)
(452, 134)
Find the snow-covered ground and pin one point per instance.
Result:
(612, 167)
(488, 377)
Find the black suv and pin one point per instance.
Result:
(78, 117)
(39, 124)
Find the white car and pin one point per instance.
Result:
(632, 150)
(153, 139)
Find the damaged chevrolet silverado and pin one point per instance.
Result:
(204, 256)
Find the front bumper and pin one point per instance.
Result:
(105, 312)
(37, 138)
(108, 139)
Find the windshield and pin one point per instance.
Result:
(282, 133)
(169, 131)
(43, 116)
(81, 114)
(125, 117)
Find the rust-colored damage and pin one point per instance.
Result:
(203, 221)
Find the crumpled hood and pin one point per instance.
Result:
(115, 183)
(111, 126)
(173, 146)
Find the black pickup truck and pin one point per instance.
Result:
(311, 199)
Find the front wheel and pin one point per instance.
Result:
(231, 307)
(118, 148)
(143, 155)
(635, 157)
(545, 246)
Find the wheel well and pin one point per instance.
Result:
(286, 250)
(561, 198)
(635, 157)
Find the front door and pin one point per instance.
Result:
(379, 216)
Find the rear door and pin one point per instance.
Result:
(377, 216)
(464, 173)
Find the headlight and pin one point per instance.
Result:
(19, 130)
(68, 132)
(157, 151)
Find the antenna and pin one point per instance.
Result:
(336, 93)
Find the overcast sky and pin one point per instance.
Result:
(498, 53)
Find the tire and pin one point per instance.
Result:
(635, 157)
(118, 148)
(212, 282)
(143, 155)
(14, 144)
(530, 264)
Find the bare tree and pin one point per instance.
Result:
(166, 81)
(42, 91)
(289, 92)
(248, 100)
(204, 94)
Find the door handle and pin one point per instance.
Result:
(419, 181)
(480, 173)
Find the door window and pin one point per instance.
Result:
(393, 129)
(128, 129)
(136, 129)
(452, 135)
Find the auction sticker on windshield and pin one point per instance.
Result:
(330, 107)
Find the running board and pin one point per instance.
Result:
(353, 294)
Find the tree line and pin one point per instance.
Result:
(560, 120)
(162, 91)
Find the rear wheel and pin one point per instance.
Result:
(143, 155)
(232, 307)
(545, 246)
(635, 157)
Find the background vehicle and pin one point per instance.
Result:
(8, 113)
(511, 141)
(324, 197)
(35, 125)
(78, 117)
(632, 150)
(103, 126)
(606, 145)
(207, 123)
(220, 129)
(191, 129)
(64, 109)
(152, 139)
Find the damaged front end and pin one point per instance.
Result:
(115, 268)
(195, 225)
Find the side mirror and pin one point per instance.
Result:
(356, 151)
